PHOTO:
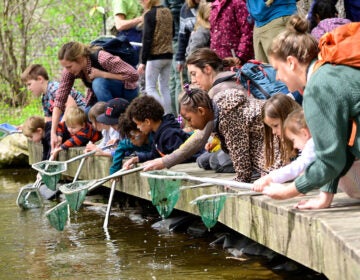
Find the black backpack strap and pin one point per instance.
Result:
(223, 79)
(94, 57)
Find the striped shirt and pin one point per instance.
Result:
(110, 63)
(81, 138)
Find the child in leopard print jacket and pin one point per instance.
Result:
(238, 122)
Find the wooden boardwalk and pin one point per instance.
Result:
(327, 241)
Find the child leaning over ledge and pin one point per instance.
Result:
(38, 131)
(148, 114)
(133, 141)
(76, 131)
(36, 79)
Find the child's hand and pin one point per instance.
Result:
(130, 162)
(323, 201)
(209, 147)
(111, 142)
(89, 147)
(261, 183)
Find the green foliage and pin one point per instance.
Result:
(17, 115)
(52, 23)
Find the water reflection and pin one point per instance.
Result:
(129, 249)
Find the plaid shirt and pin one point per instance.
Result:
(48, 98)
(86, 134)
(112, 64)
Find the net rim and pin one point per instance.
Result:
(66, 190)
(53, 163)
(165, 175)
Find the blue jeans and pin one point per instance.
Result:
(107, 89)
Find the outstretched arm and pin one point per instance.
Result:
(280, 191)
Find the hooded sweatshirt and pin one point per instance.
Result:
(166, 139)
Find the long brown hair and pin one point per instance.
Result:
(279, 106)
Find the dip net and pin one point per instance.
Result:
(58, 216)
(210, 209)
(75, 193)
(50, 172)
(29, 197)
(164, 191)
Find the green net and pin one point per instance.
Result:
(29, 198)
(51, 181)
(210, 210)
(50, 172)
(75, 193)
(58, 216)
(164, 193)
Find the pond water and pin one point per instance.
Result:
(130, 249)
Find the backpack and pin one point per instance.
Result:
(258, 78)
(120, 47)
(340, 46)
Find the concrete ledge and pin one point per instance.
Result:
(327, 241)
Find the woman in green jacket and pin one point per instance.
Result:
(331, 99)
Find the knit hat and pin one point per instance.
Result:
(114, 108)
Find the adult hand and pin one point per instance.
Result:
(155, 164)
(261, 183)
(96, 73)
(54, 141)
(55, 152)
(141, 69)
(323, 201)
(281, 191)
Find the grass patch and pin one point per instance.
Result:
(17, 116)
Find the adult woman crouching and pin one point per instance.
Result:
(331, 99)
(106, 77)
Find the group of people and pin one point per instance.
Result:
(267, 142)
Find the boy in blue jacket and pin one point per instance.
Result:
(148, 114)
(133, 140)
